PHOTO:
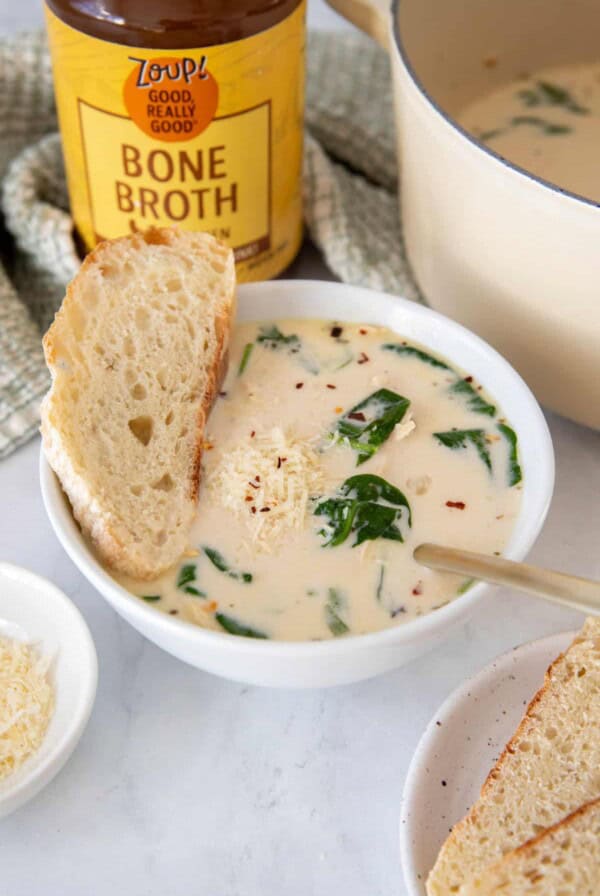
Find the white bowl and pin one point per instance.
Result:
(33, 610)
(459, 747)
(320, 664)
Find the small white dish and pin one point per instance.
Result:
(33, 610)
(353, 658)
(459, 747)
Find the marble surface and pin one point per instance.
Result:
(185, 783)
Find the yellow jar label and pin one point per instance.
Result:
(206, 139)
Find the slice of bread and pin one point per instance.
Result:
(137, 352)
(549, 768)
(564, 859)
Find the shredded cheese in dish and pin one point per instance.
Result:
(26, 703)
(267, 482)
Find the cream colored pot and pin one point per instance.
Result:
(503, 252)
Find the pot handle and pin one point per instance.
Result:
(371, 16)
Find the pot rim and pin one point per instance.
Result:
(505, 163)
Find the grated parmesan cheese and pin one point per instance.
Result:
(267, 482)
(26, 703)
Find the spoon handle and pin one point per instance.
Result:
(571, 591)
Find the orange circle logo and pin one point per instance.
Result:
(171, 98)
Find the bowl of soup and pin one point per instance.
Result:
(351, 427)
(498, 126)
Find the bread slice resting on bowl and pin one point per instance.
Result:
(137, 352)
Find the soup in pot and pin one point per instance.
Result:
(547, 123)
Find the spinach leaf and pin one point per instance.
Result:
(375, 520)
(463, 588)
(370, 423)
(274, 336)
(514, 469)
(460, 438)
(341, 513)
(379, 590)
(474, 400)
(367, 506)
(529, 96)
(335, 623)
(238, 628)
(186, 575)
(546, 127)
(217, 559)
(368, 487)
(546, 94)
(460, 387)
(484, 136)
(189, 589)
(412, 351)
(151, 598)
(559, 96)
(245, 357)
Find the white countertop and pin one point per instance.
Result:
(187, 784)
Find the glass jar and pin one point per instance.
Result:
(184, 113)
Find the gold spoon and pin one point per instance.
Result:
(571, 591)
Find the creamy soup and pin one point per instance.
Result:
(547, 123)
(332, 451)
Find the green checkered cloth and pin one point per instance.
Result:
(350, 200)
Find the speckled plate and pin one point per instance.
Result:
(460, 745)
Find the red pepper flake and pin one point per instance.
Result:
(265, 509)
(253, 433)
(331, 386)
(357, 415)
(253, 485)
(257, 478)
(363, 332)
(248, 498)
(460, 505)
(278, 463)
(468, 379)
(253, 509)
(223, 394)
(418, 589)
(336, 332)
(299, 385)
(363, 358)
